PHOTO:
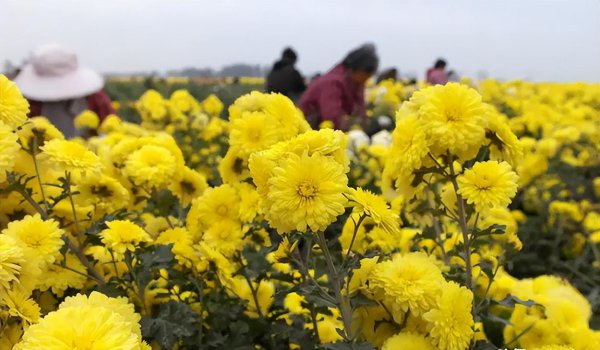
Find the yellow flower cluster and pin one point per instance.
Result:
(260, 231)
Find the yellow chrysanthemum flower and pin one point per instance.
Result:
(249, 201)
(407, 340)
(59, 279)
(119, 305)
(451, 322)
(110, 123)
(488, 184)
(306, 192)
(182, 241)
(39, 128)
(410, 144)
(454, 115)
(212, 105)
(123, 235)
(254, 131)
(86, 327)
(225, 236)
(37, 237)
(326, 142)
(504, 143)
(184, 102)
(152, 106)
(233, 167)
(11, 259)
(8, 150)
(375, 207)
(70, 156)
(87, 119)
(21, 305)
(104, 192)
(151, 167)
(189, 185)
(215, 205)
(409, 283)
(13, 106)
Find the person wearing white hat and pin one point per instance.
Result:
(58, 88)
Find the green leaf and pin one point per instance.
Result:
(174, 321)
(511, 301)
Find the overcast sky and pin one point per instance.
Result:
(554, 40)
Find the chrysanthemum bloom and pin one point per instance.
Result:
(488, 184)
(408, 340)
(251, 102)
(233, 168)
(37, 237)
(152, 106)
(189, 185)
(88, 327)
(215, 205)
(454, 116)
(502, 216)
(326, 142)
(409, 283)
(118, 305)
(70, 156)
(151, 167)
(254, 131)
(11, 259)
(375, 207)
(212, 105)
(109, 124)
(225, 236)
(410, 143)
(86, 119)
(184, 102)
(306, 192)
(104, 192)
(451, 322)
(13, 106)
(20, 305)
(249, 201)
(39, 127)
(8, 150)
(182, 241)
(123, 235)
(59, 279)
(505, 144)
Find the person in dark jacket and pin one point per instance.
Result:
(285, 78)
(339, 95)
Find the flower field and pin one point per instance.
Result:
(473, 223)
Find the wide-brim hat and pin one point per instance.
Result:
(54, 74)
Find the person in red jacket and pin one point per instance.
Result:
(59, 89)
(339, 95)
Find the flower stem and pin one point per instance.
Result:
(37, 173)
(91, 271)
(462, 221)
(356, 227)
(343, 303)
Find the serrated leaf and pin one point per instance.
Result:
(174, 321)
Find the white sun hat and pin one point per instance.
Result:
(53, 74)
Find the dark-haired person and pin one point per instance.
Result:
(339, 95)
(284, 77)
(437, 74)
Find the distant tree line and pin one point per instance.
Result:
(233, 70)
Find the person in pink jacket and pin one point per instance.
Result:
(437, 74)
(339, 95)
